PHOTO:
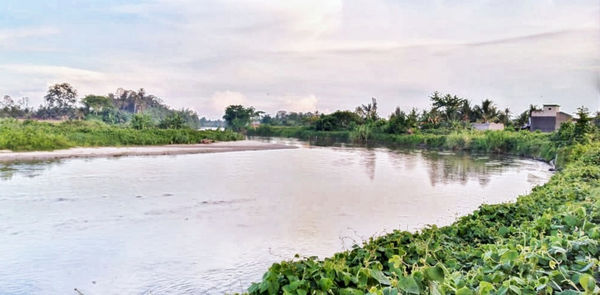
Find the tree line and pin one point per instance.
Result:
(447, 112)
(135, 108)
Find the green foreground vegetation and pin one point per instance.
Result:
(547, 242)
(31, 135)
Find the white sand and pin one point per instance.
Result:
(175, 149)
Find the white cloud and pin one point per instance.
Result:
(300, 104)
(26, 32)
(222, 99)
(56, 72)
(286, 54)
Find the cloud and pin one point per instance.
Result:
(222, 99)
(26, 32)
(56, 72)
(306, 54)
(300, 103)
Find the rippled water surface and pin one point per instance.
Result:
(213, 223)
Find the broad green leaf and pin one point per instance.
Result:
(350, 291)
(390, 291)
(408, 285)
(380, 277)
(325, 284)
(587, 282)
(485, 288)
(515, 289)
(464, 291)
(509, 256)
(435, 273)
(396, 261)
(363, 277)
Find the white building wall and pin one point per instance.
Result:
(547, 111)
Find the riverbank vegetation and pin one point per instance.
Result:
(125, 117)
(61, 103)
(547, 242)
(446, 125)
(528, 144)
(30, 135)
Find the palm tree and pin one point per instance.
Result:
(449, 104)
(533, 108)
(504, 116)
(487, 111)
(368, 112)
(465, 111)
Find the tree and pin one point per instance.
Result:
(466, 112)
(7, 102)
(172, 121)
(523, 119)
(238, 117)
(583, 126)
(430, 119)
(13, 109)
(487, 111)
(339, 120)
(141, 121)
(400, 122)
(61, 96)
(448, 105)
(96, 104)
(504, 116)
(368, 112)
(267, 119)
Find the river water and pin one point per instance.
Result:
(213, 223)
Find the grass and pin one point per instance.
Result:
(37, 136)
(522, 143)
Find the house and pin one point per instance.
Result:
(488, 126)
(548, 118)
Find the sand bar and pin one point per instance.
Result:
(155, 150)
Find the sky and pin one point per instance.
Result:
(306, 55)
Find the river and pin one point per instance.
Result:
(214, 223)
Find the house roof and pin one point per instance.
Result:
(566, 114)
(551, 105)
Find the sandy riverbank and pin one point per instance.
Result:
(176, 149)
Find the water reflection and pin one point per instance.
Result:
(212, 223)
(27, 169)
(443, 167)
(368, 159)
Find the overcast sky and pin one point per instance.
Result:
(306, 55)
